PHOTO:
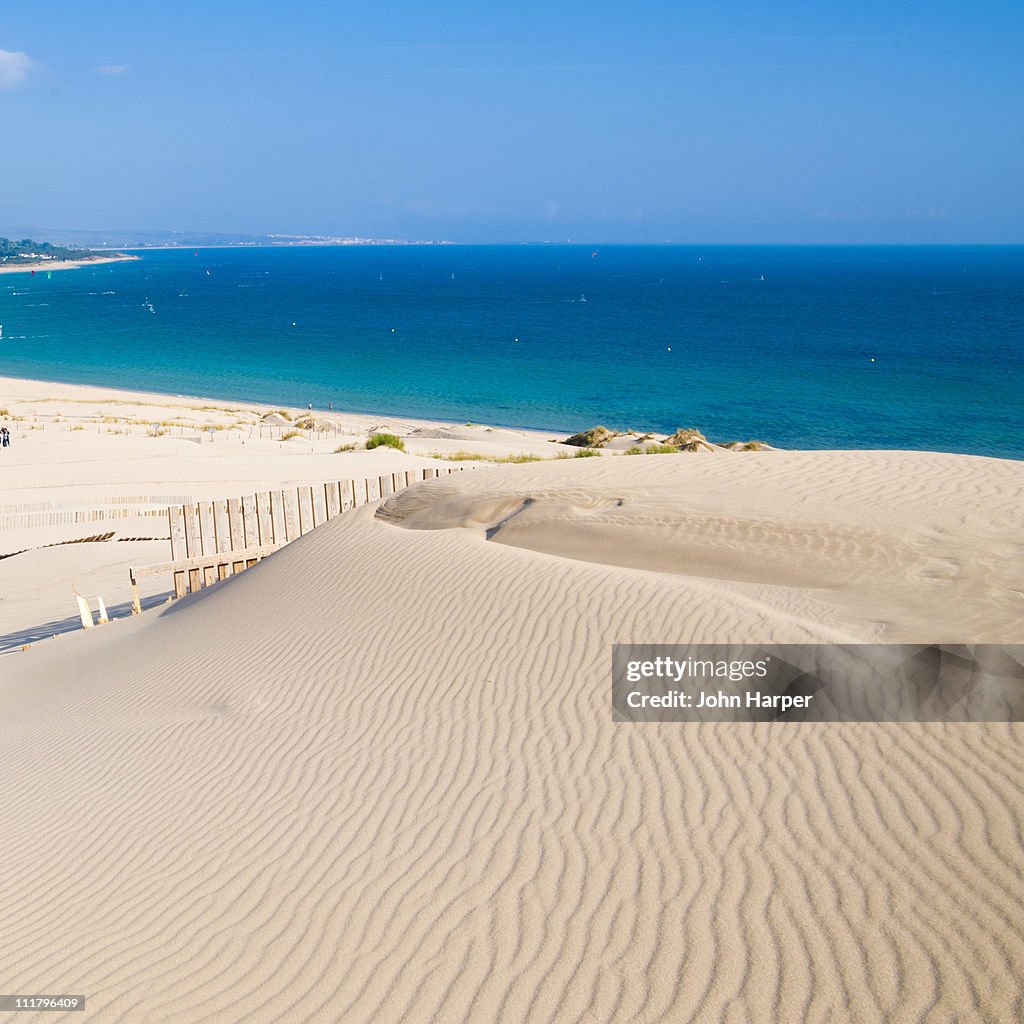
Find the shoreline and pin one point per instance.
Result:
(148, 397)
(135, 396)
(67, 264)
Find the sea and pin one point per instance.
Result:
(798, 346)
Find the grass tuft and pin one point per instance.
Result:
(388, 440)
(652, 449)
(463, 456)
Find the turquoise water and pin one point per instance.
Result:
(775, 343)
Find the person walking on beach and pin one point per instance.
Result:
(5, 437)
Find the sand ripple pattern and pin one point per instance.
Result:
(376, 779)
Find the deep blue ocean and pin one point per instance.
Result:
(806, 347)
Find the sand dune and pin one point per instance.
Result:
(898, 546)
(376, 777)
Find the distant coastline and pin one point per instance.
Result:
(85, 261)
(272, 243)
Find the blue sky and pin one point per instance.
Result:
(704, 122)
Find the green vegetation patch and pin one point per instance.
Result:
(389, 440)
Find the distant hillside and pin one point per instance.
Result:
(28, 252)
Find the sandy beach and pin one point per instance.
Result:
(376, 776)
(13, 267)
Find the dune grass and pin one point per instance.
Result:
(652, 449)
(388, 440)
(464, 456)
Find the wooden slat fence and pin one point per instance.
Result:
(211, 540)
(22, 515)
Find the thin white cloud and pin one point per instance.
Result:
(112, 69)
(930, 213)
(14, 68)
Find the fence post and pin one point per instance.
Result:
(291, 513)
(207, 541)
(305, 510)
(176, 517)
(192, 546)
(277, 517)
(222, 531)
(250, 526)
(136, 603)
(237, 531)
(263, 518)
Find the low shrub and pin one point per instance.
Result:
(389, 440)
(464, 456)
(652, 449)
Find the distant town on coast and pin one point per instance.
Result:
(69, 244)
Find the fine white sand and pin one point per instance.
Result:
(376, 777)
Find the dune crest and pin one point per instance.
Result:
(895, 560)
